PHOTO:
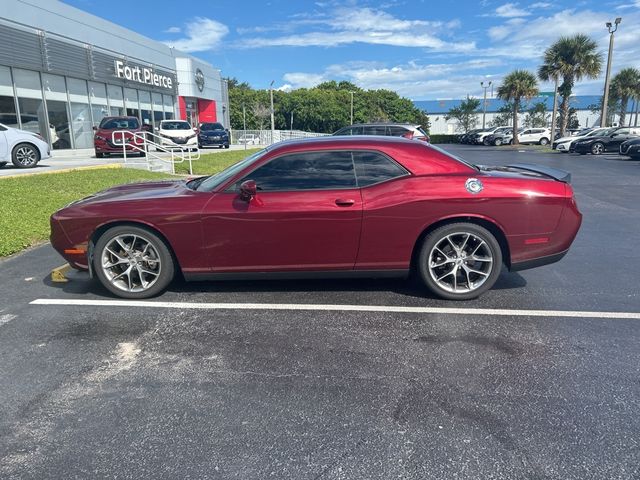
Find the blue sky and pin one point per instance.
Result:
(424, 50)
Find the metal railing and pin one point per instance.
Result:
(139, 142)
(264, 137)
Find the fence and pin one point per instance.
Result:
(263, 137)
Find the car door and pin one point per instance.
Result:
(526, 136)
(306, 215)
(616, 138)
(4, 147)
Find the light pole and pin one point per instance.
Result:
(555, 109)
(244, 124)
(484, 102)
(612, 29)
(273, 124)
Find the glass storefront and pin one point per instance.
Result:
(64, 110)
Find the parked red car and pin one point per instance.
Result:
(106, 143)
(333, 206)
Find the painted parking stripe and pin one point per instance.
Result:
(337, 308)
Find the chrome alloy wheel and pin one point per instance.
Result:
(597, 149)
(460, 262)
(26, 156)
(131, 263)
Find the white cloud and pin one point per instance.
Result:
(411, 79)
(365, 25)
(540, 5)
(202, 34)
(511, 10)
(173, 30)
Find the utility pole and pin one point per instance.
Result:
(484, 102)
(612, 29)
(351, 92)
(244, 122)
(555, 110)
(291, 124)
(273, 123)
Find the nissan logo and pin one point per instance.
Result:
(199, 79)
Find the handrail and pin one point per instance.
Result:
(140, 143)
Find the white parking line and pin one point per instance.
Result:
(337, 308)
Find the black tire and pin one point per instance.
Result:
(479, 233)
(226, 146)
(99, 155)
(2, 164)
(167, 267)
(510, 142)
(25, 155)
(597, 148)
(497, 142)
(544, 141)
(485, 142)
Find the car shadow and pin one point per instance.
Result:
(81, 284)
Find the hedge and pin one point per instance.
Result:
(441, 138)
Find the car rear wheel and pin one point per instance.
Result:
(485, 142)
(25, 155)
(544, 141)
(133, 262)
(597, 148)
(460, 261)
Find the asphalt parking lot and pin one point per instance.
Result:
(375, 380)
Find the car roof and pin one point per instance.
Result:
(386, 124)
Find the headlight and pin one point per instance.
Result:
(190, 137)
(100, 137)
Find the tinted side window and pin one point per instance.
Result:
(378, 130)
(372, 167)
(623, 131)
(395, 131)
(306, 171)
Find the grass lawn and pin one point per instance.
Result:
(28, 201)
(214, 162)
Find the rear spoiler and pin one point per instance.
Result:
(555, 173)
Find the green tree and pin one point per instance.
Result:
(536, 116)
(503, 117)
(571, 59)
(625, 85)
(465, 114)
(518, 85)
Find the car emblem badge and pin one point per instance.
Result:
(473, 185)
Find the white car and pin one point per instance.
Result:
(249, 139)
(540, 136)
(479, 137)
(564, 144)
(176, 134)
(22, 148)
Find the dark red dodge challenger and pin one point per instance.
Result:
(334, 206)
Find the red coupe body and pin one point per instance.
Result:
(353, 229)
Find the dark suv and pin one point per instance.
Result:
(213, 134)
(106, 143)
(405, 130)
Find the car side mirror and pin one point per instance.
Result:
(248, 190)
(95, 128)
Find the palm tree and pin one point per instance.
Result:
(549, 71)
(625, 86)
(517, 85)
(572, 59)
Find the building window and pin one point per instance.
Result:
(116, 100)
(55, 94)
(8, 114)
(81, 125)
(131, 102)
(168, 107)
(158, 109)
(145, 107)
(98, 100)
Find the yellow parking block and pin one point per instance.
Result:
(58, 275)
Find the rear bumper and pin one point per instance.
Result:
(537, 262)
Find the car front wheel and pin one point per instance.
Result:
(497, 142)
(133, 262)
(460, 261)
(25, 155)
(597, 148)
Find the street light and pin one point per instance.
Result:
(484, 102)
(273, 124)
(612, 29)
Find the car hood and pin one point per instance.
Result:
(177, 133)
(136, 191)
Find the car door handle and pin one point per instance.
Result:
(345, 202)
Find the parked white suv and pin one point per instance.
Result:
(540, 136)
(22, 148)
(177, 134)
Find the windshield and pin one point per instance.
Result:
(175, 126)
(605, 132)
(119, 124)
(211, 126)
(214, 181)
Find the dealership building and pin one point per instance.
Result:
(62, 70)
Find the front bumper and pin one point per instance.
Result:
(562, 147)
(179, 142)
(204, 141)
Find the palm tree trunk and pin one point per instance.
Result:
(564, 106)
(555, 111)
(515, 122)
(637, 102)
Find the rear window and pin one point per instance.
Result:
(119, 124)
